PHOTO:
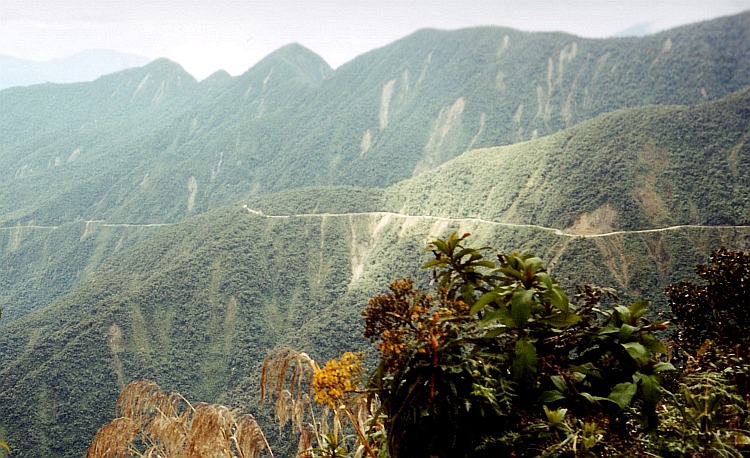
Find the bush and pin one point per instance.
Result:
(498, 362)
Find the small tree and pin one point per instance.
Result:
(707, 413)
(717, 310)
(497, 359)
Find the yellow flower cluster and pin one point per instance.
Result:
(337, 378)
(391, 347)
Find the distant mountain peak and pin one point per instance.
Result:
(167, 69)
(302, 58)
(637, 30)
(163, 63)
(218, 75)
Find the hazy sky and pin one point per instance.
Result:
(204, 36)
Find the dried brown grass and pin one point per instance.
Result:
(114, 440)
(287, 375)
(153, 423)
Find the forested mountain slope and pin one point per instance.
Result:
(152, 141)
(198, 304)
(151, 145)
(641, 168)
(91, 150)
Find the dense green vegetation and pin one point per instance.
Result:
(38, 265)
(290, 121)
(640, 168)
(465, 371)
(196, 304)
(498, 362)
(494, 361)
(152, 145)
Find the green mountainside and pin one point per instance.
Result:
(63, 161)
(640, 168)
(151, 145)
(433, 95)
(155, 226)
(198, 305)
(152, 141)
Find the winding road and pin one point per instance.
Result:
(556, 231)
(496, 223)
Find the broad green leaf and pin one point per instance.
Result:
(660, 367)
(609, 329)
(650, 342)
(626, 331)
(453, 241)
(534, 264)
(638, 309)
(494, 316)
(587, 369)
(434, 262)
(549, 397)
(561, 320)
(651, 389)
(559, 383)
(441, 245)
(520, 306)
(485, 299)
(525, 362)
(638, 352)
(594, 399)
(623, 393)
(558, 298)
(485, 263)
(623, 313)
(545, 279)
(464, 252)
(510, 272)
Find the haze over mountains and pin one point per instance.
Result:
(83, 66)
(539, 141)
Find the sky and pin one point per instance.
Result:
(205, 36)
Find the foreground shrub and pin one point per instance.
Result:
(497, 361)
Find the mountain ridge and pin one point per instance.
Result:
(424, 123)
(390, 116)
